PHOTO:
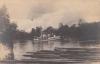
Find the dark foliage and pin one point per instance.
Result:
(82, 32)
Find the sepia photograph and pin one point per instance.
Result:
(49, 31)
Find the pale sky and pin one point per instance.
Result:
(51, 12)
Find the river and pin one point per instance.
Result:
(21, 47)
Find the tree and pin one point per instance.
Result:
(63, 31)
(38, 31)
(4, 19)
(10, 31)
(7, 29)
(50, 30)
(74, 34)
(33, 33)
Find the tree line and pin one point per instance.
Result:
(78, 32)
(82, 31)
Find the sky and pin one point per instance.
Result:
(31, 13)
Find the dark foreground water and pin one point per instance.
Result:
(29, 52)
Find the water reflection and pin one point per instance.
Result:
(20, 48)
(88, 56)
